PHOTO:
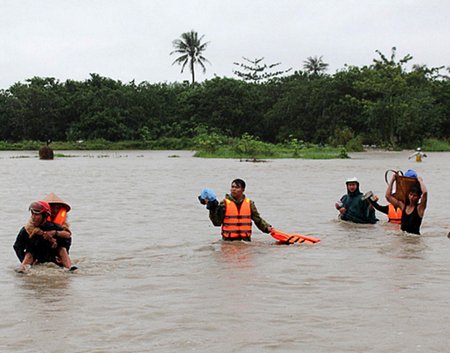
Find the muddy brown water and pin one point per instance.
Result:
(154, 275)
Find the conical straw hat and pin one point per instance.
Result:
(53, 198)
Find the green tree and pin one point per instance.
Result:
(302, 111)
(314, 65)
(256, 72)
(8, 115)
(191, 48)
(39, 105)
(223, 103)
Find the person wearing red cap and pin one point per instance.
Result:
(40, 240)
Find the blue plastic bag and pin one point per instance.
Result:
(208, 194)
(411, 173)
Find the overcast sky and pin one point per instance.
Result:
(132, 39)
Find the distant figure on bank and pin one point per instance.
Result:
(412, 210)
(352, 207)
(235, 213)
(46, 152)
(418, 154)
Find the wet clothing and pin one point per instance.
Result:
(378, 207)
(393, 214)
(358, 210)
(411, 222)
(40, 248)
(217, 216)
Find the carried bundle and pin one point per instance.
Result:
(403, 183)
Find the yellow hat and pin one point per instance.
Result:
(52, 198)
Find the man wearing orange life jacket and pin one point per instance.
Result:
(236, 213)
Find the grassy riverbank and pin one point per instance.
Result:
(216, 146)
(433, 145)
(100, 144)
(275, 151)
(206, 146)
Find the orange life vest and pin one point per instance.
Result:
(237, 223)
(60, 217)
(395, 216)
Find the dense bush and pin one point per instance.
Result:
(381, 104)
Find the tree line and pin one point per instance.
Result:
(383, 104)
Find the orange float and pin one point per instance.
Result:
(286, 238)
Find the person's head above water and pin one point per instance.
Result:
(239, 182)
(414, 195)
(40, 207)
(40, 210)
(416, 190)
(56, 203)
(237, 188)
(352, 184)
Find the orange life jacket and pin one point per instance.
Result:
(395, 216)
(60, 217)
(237, 223)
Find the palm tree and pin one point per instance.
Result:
(190, 46)
(315, 65)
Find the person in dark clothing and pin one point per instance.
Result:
(40, 241)
(394, 213)
(60, 209)
(235, 214)
(352, 207)
(412, 210)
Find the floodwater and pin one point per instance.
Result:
(154, 275)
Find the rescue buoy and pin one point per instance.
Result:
(285, 238)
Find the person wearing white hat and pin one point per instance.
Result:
(418, 154)
(352, 206)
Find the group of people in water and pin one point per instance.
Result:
(46, 236)
(408, 212)
(236, 212)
